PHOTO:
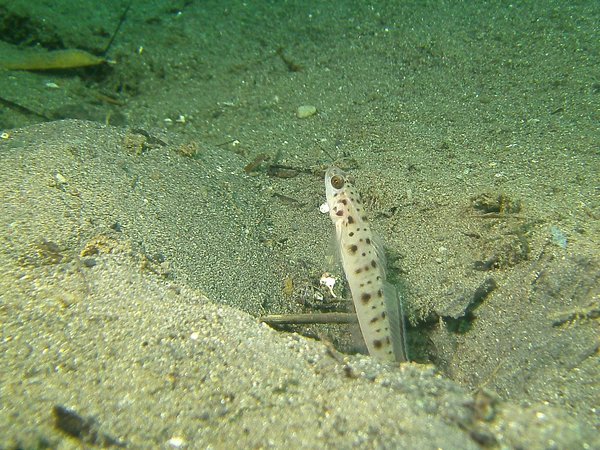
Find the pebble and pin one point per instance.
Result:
(305, 111)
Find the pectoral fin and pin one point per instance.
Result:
(393, 306)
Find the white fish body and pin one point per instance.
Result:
(376, 302)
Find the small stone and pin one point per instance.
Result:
(176, 442)
(305, 111)
(89, 262)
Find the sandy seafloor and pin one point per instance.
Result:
(136, 253)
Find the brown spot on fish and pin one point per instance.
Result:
(365, 297)
(377, 344)
(353, 248)
(350, 219)
(374, 319)
(339, 213)
(368, 241)
(373, 263)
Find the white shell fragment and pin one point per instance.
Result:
(328, 281)
(324, 208)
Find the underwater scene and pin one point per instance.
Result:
(299, 224)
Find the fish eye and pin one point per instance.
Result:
(337, 182)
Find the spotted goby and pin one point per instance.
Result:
(376, 302)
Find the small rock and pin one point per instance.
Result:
(305, 111)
